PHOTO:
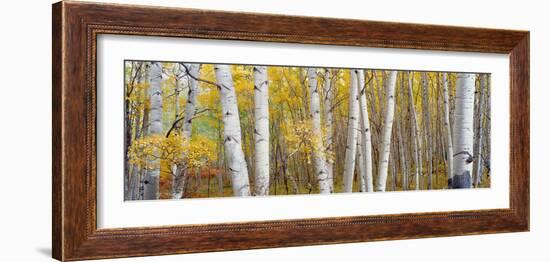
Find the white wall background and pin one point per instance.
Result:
(25, 129)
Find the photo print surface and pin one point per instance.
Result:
(202, 130)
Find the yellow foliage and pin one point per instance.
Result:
(200, 152)
(173, 150)
(244, 86)
(299, 138)
(208, 95)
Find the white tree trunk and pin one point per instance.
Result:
(194, 70)
(315, 110)
(151, 183)
(479, 158)
(366, 142)
(402, 144)
(232, 132)
(416, 140)
(180, 173)
(261, 130)
(134, 183)
(361, 168)
(463, 131)
(402, 160)
(448, 131)
(353, 126)
(327, 109)
(386, 132)
(427, 126)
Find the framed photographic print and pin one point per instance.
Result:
(180, 130)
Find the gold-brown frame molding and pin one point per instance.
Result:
(76, 26)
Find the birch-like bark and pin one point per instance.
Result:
(463, 131)
(365, 133)
(361, 172)
(415, 137)
(134, 184)
(427, 126)
(315, 111)
(375, 113)
(261, 130)
(386, 132)
(232, 132)
(353, 124)
(486, 164)
(151, 183)
(190, 106)
(127, 143)
(402, 160)
(177, 85)
(401, 144)
(178, 181)
(448, 134)
(393, 163)
(327, 110)
(479, 158)
(143, 131)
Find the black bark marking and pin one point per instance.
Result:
(229, 138)
(462, 181)
(470, 158)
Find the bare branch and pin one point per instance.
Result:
(198, 79)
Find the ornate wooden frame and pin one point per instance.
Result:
(76, 26)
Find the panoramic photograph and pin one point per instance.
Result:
(203, 130)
